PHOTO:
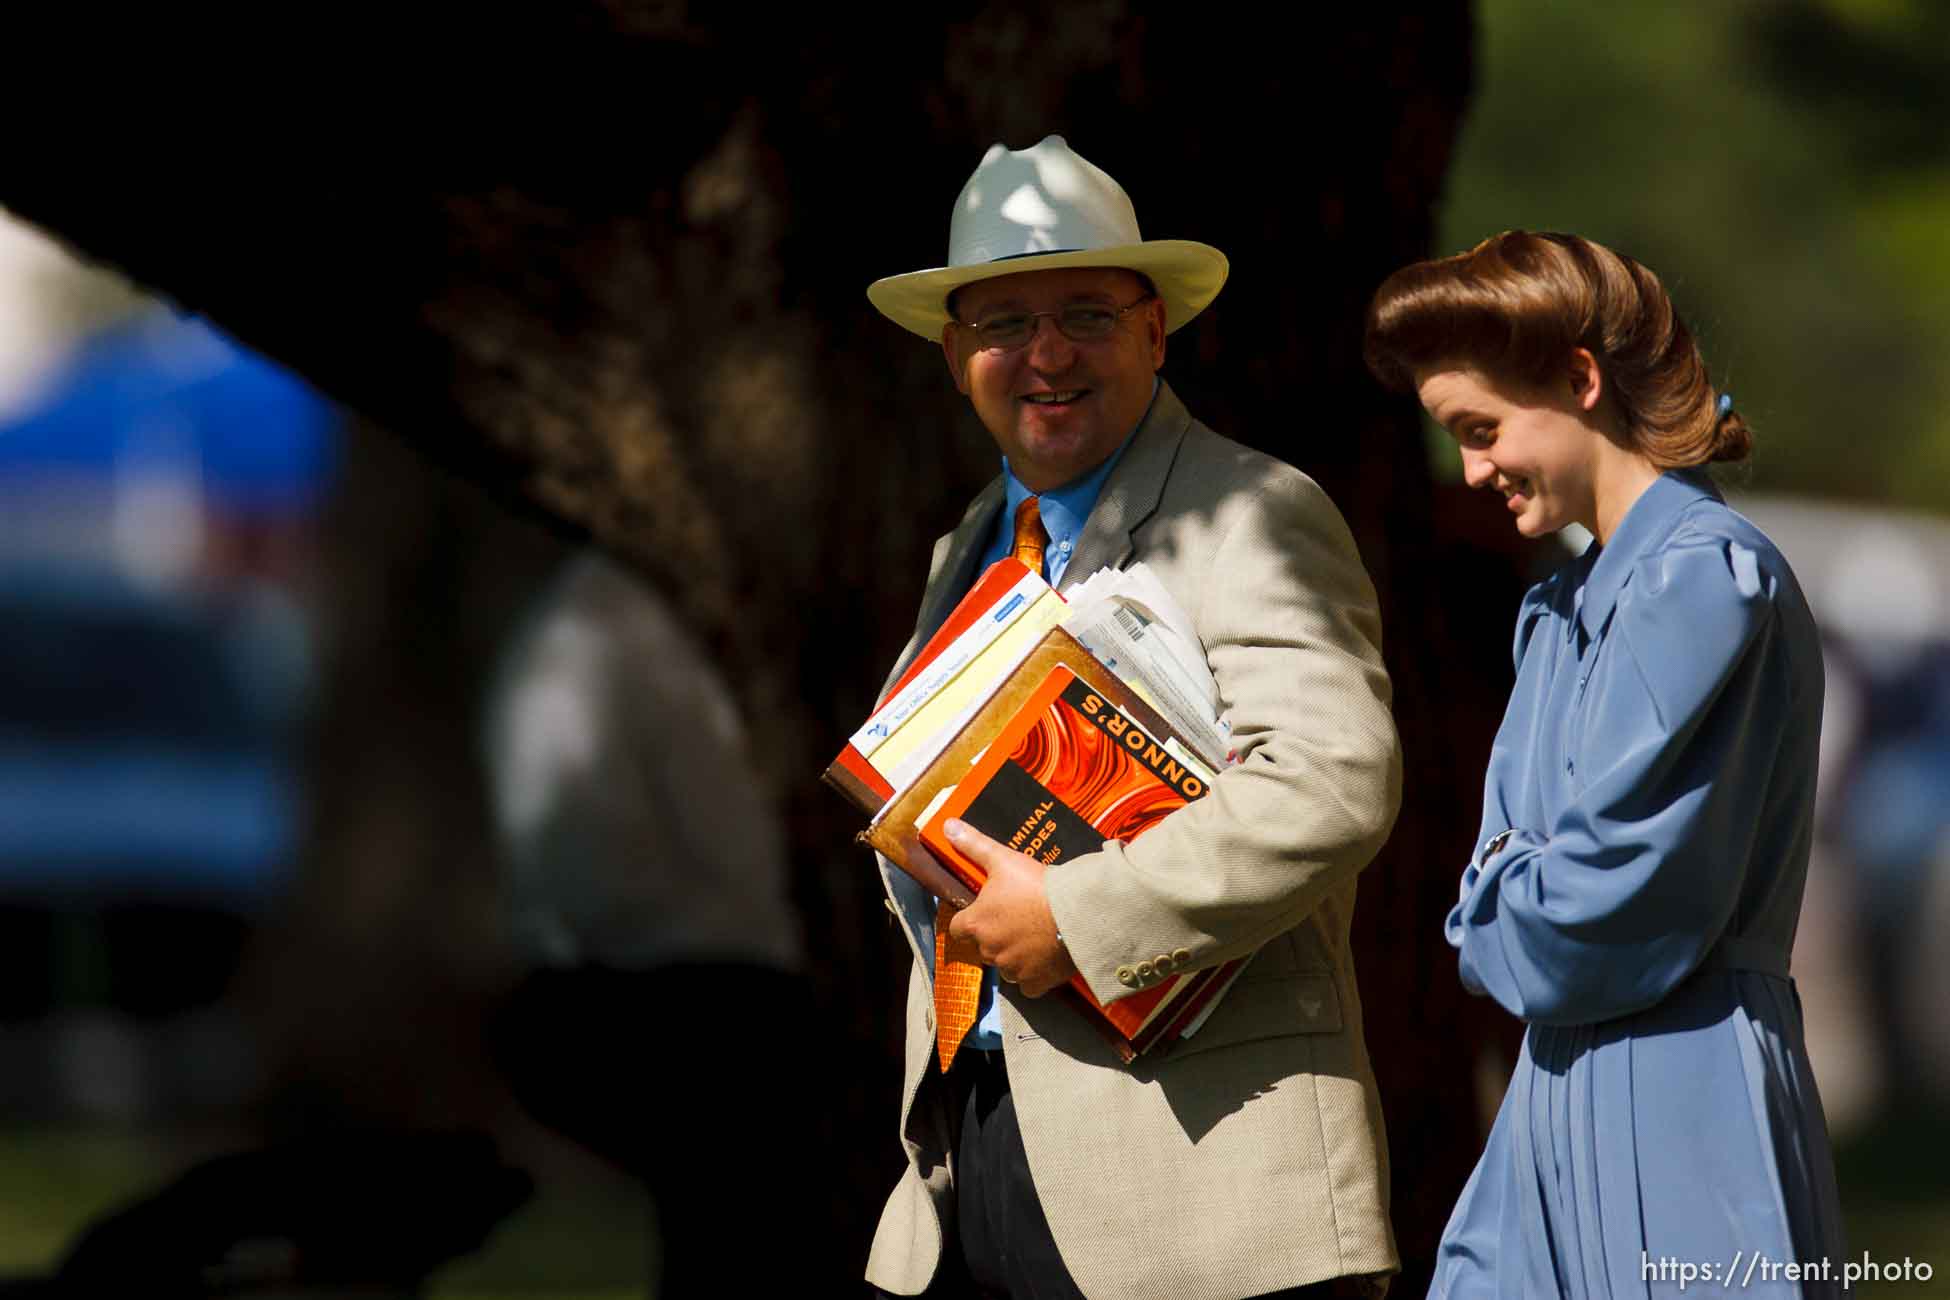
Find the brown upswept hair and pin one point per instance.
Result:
(1516, 305)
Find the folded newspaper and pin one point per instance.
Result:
(1129, 621)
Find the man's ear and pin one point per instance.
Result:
(949, 339)
(1586, 379)
(1154, 320)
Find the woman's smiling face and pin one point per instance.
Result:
(1537, 446)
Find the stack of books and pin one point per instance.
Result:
(1051, 727)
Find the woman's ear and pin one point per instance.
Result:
(1587, 381)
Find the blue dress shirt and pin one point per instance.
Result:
(1064, 512)
(1655, 771)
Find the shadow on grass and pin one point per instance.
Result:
(584, 1234)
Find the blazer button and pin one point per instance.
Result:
(1127, 977)
(1145, 970)
(1165, 963)
(1182, 956)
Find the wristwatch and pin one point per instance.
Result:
(1494, 845)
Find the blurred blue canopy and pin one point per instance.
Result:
(146, 728)
(161, 382)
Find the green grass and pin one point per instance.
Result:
(1895, 1186)
(587, 1242)
(586, 1234)
(1892, 1233)
(52, 1181)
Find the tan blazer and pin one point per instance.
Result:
(1250, 1157)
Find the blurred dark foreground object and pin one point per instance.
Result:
(369, 1215)
(708, 1082)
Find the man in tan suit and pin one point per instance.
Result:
(1248, 1160)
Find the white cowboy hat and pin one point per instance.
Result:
(1041, 209)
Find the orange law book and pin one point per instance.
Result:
(1005, 591)
(1062, 758)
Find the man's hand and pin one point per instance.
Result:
(1009, 922)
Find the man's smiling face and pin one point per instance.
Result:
(1057, 407)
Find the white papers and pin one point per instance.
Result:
(1128, 620)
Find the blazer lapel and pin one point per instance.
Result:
(952, 572)
(1131, 494)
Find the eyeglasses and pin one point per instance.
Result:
(1080, 322)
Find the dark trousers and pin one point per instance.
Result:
(1006, 1246)
(1002, 1249)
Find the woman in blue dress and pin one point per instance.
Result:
(1649, 803)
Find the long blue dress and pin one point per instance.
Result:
(1656, 768)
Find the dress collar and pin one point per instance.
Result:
(1645, 524)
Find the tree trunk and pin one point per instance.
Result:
(618, 280)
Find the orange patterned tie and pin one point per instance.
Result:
(1032, 539)
(958, 984)
(957, 992)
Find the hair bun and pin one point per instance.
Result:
(1732, 439)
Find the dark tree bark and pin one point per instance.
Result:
(609, 264)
